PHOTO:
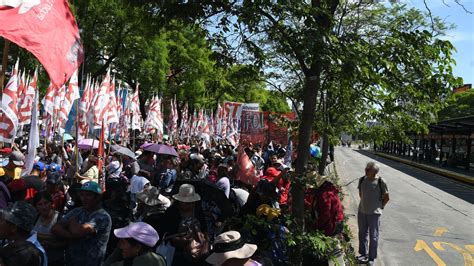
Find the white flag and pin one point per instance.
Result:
(33, 141)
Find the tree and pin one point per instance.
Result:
(350, 62)
(459, 105)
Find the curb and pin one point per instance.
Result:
(460, 177)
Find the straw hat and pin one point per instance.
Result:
(230, 245)
(187, 193)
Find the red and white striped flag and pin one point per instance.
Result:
(173, 119)
(58, 100)
(154, 120)
(66, 106)
(84, 104)
(100, 103)
(27, 99)
(184, 126)
(137, 121)
(8, 107)
(112, 113)
(124, 124)
(48, 100)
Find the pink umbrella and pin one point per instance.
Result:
(87, 144)
(161, 149)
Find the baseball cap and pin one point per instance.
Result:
(21, 214)
(91, 186)
(17, 158)
(53, 167)
(140, 231)
(40, 166)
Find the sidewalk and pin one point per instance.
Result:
(451, 173)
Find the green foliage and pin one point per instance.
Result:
(459, 105)
(275, 102)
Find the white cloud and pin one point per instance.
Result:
(459, 36)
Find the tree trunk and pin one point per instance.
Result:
(304, 134)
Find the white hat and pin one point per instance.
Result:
(187, 193)
(230, 245)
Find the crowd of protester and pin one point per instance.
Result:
(154, 209)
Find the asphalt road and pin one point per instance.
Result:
(429, 219)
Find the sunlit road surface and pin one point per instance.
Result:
(429, 219)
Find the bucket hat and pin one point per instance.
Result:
(230, 245)
(187, 193)
(140, 231)
(150, 196)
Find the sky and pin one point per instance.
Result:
(462, 37)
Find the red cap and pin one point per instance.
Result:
(272, 172)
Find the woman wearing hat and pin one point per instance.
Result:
(229, 249)
(183, 222)
(135, 247)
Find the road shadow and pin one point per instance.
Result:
(462, 191)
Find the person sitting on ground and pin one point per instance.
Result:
(87, 228)
(229, 249)
(137, 241)
(16, 224)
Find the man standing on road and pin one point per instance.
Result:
(374, 196)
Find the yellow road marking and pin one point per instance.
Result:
(421, 245)
(440, 231)
(468, 261)
(470, 248)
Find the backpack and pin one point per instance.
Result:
(379, 184)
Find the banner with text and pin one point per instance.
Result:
(261, 127)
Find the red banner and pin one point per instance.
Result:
(262, 127)
(48, 30)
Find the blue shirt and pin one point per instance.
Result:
(89, 250)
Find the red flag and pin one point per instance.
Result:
(66, 104)
(246, 169)
(27, 98)
(49, 31)
(9, 115)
